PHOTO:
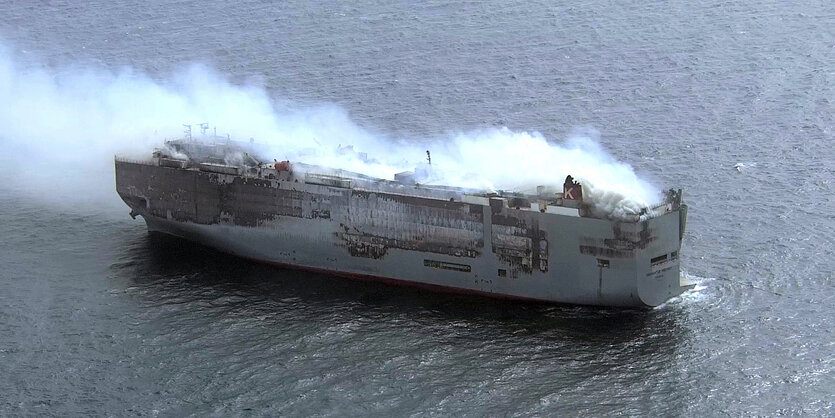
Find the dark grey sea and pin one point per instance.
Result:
(99, 318)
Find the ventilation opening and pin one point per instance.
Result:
(447, 266)
(658, 260)
(602, 263)
(502, 273)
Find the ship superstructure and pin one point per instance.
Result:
(545, 246)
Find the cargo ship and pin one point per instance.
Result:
(544, 246)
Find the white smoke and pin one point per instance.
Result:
(62, 126)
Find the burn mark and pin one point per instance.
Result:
(519, 243)
(517, 221)
(619, 244)
(205, 198)
(622, 245)
(519, 202)
(496, 205)
(367, 247)
(605, 252)
(472, 211)
(370, 222)
(321, 214)
(413, 223)
(634, 240)
(356, 246)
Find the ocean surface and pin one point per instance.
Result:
(97, 317)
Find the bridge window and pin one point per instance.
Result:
(658, 260)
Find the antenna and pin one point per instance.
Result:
(203, 128)
(428, 157)
(188, 132)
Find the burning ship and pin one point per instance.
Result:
(548, 246)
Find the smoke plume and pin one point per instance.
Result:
(62, 126)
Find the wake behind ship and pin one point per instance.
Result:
(548, 246)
